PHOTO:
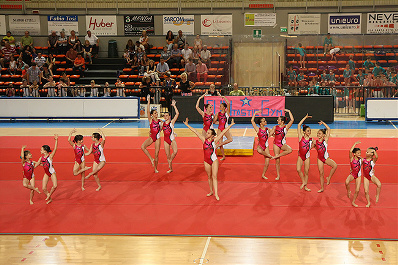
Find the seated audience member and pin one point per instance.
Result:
(34, 54)
(175, 57)
(79, 64)
(144, 62)
(94, 42)
(93, 89)
(169, 40)
(10, 92)
(8, 51)
(332, 78)
(46, 73)
(205, 56)
(292, 76)
(26, 55)
(120, 88)
(22, 66)
(79, 47)
(190, 69)
(81, 91)
(180, 40)
(88, 49)
(25, 88)
(333, 53)
(169, 85)
(186, 53)
(144, 40)
(201, 71)
(130, 45)
(361, 77)
(236, 91)
(162, 68)
(33, 74)
(139, 45)
(351, 63)
(212, 91)
(197, 43)
(107, 90)
(145, 86)
(165, 54)
(378, 70)
(186, 85)
(195, 55)
(52, 42)
(62, 43)
(301, 79)
(135, 65)
(27, 40)
(368, 64)
(151, 72)
(140, 53)
(12, 67)
(9, 38)
(348, 75)
(328, 43)
(126, 57)
(40, 60)
(51, 62)
(62, 88)
(71, 56)
(34, 89)
(72, 39)
(50, 86)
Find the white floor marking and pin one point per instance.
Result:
(202, 258)
(108, 124)
(245, 132)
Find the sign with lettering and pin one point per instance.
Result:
(185, 23)
(102, 25)
(304, 24)
(381, 23)
(260, 19)
(344, 23)
(245, 106)
(63, 23)
(2, 25)
(216, 24)
(135, 24)
(21, 23)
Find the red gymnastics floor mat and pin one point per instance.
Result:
(134, 200)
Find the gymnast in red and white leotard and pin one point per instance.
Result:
(207, 115)
(222, 118)
(28, 177)
(305, 143)
(49, 172)
(210, 159)
(355, 174)
(321, 146)
(368, 164)
(263, 134)
(79, 167)
(97, 149)
(279, 132)
(169, 135)
(155, 126)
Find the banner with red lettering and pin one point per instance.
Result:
(245, 106)
(102, 25)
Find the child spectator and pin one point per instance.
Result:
(328, 43)
(197, 43)
(12, 68)
(302, 53)
(291, 74)
(333, 53)
(368, 64)
(332, 78)
(324, 78)
(348, 74)
(301, 79)
(361, 77)
(351, 63)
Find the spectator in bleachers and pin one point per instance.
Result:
(351, 63)
(162, 68)
(81, 91)
(333, 53)
(26, 55)
(88, 49)
(140, 53)
(107, 90)
(332, 78)
(145, 86)
(51, 62)
(302, 54)
(46, 74)
(62, 88)
(72, 39)
(236, 91)
(328, 43)
(33, 74)
(22, 66)
(151, 72)
(126, 57)
(34, 89)
(138, 45)
(190, 69)
(40, 60)
(93, 88)
(205, 56)
(212, 91)
(301, 79)
(348, 74)
(34, 54)
(186, 86)
(25, 88)
(135, 64)
(10, 92)
(201, 71)
(79, 47)
(12, 68)
(62, 43)
(71, 55)
(27, 40)
(130, 45)
(170, 40)
(165, 54)
(168, 86)
(197, 43)
(66, 78)
(8, 51)
(361, 77)
(324, 78)
(368, 63)
(378, 70)
(313, 87)
(292, 76)
(180, 40)
(378, 84)
(94, 42)
(186, 53)
(9, 38)
(144, 63)
(79, 64)
(195, 55)
(120, 88)
(144, 40)
(175, 56)
(50, 86)
(52, 42)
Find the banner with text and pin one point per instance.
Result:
(216, 24)
(101, 25)
(135, 24)
(304, 24)
(245, 106)
(344, 23)
(21, 23)
(179, 22)
(260, 19)
(63, 23)
(3, 25)
(382, 23)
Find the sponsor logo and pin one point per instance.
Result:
(206, 22)
(99, 24)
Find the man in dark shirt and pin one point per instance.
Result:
(53, 43)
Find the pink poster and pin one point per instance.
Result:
(245, 106)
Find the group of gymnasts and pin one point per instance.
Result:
(211, 141)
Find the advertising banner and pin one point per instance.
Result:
(178, 22)
(63, 23)
(101, 25)
(260, 19)
(3, 25)
(344, 23)
(382, 23)
(21, 23)
(135, 24)
(304, 24)
(216, 24)
(245, 106)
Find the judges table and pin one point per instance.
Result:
(320, 107)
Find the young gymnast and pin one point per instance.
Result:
(280, 132)
(368, 172)
(355, 163)
(321, 145)
(28, 176)
(80, 163)
(222, 118)
(210, 157)
(207, 116)
(154, 135)
(97, 148)
(49, 172)
(263, 134)
(169, 135)
(305, 143)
